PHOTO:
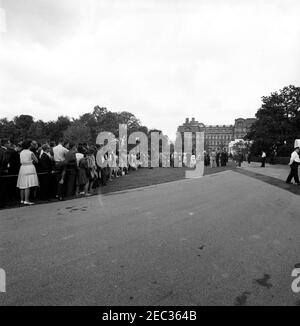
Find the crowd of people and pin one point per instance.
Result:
(29, 170)
(215, 158)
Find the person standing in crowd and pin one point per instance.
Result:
(92, 169)
(34, 148)
(4, 158)
(218, 158)
(13, 169)
(14, 159)
(82, 183)
(112, 159)
(105, 170)
(59, 153)
(193, 161)
(263, 159)
(172, 159)
(249, 158)
(70, 170)
(45, 167)
(102, 162)
(240, 158)
(52, 145)
(132, 161)
(294, 162)
(98, 169)
(223, 158)
(273, 156)
(5, 144)
(123, 162)
(188, 159)
(212, 159)
(110, 165)
(206, 159)
(80, 153)
(27, 175)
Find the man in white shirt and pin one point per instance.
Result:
(59, 152)
(294, 162)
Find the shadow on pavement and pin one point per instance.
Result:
(271, 180)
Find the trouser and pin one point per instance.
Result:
(45, 185)
(263, 162)
(104, 176)
(59, 168)
(12, 190)
(3, 190)
(70, 182)
(293, 173)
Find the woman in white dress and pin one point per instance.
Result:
(27, 175)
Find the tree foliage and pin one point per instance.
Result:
(278, 122)
(241, 147)
(83, 129)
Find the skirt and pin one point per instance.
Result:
(82, 177)
(27, 177)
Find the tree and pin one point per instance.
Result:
(37, 131)
(78, 133)
(23, 124)
(89, 120)
(55, 129)
(83, 129)
(278, 122)
(99, 113)
(8, 130)
(241, 147)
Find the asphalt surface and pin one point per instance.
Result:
(223, 239)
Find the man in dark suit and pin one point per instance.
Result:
(4, 158)
(13, 171)
(4, 145)
(45, 167)
(223, 158)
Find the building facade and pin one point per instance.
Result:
(218, 137)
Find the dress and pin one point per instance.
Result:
(27, 175)
(82, 175)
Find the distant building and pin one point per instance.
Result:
(218, 137)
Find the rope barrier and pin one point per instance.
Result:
(38, 173)
(16, 175)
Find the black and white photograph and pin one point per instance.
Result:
(149, 155)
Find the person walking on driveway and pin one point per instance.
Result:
(294, 162)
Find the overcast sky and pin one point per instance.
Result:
(161, 60)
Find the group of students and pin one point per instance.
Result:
(61, 170)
